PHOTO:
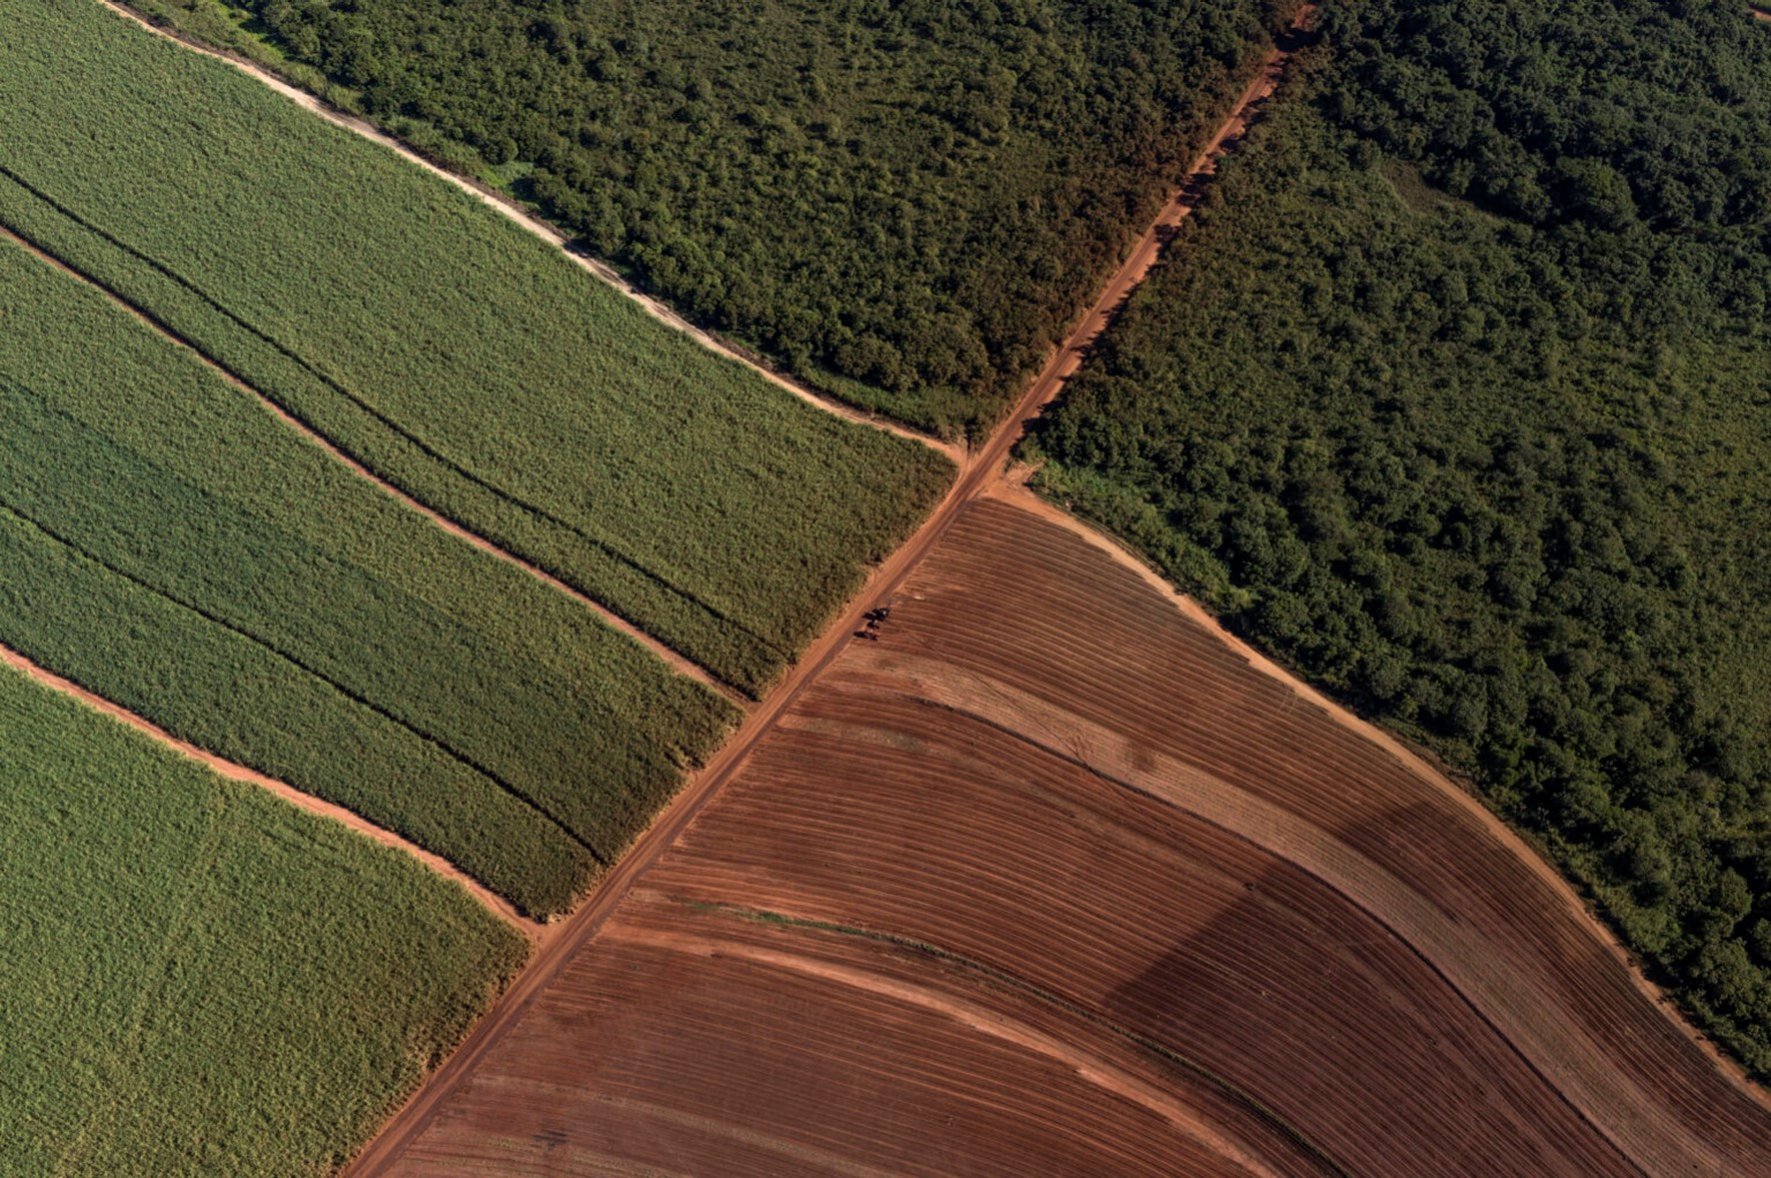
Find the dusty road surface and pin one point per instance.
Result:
(1038, 871)
(1050, 875)
(981, 469)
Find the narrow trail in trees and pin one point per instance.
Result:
(675, 659)
(982, 469)
(236, 772)
(546, 232)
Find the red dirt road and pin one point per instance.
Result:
(1051, 877)
(981, 468)
(288, 793)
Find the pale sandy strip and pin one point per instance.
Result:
(547, 233)
(288, 793)
(678, 662)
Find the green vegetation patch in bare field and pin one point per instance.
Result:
(450, 351)
(173, 546)
(905, 203)
(199, 978)
(1457, 395)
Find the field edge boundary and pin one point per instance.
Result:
(537, 227)
(983, 466)
(232, 771)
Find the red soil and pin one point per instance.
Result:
(980, 472)
(1051, 877)
(1054, 876)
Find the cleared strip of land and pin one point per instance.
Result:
(447, 350)
(1015, 673)
(983, 468)
(199, 977)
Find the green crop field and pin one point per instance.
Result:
(199, 978)
(904, 202)
(1457, 396)
(459, 357)
(171, 545)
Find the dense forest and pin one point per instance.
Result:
(1457, 396)
(904, 203)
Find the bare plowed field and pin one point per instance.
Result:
(1051, 877)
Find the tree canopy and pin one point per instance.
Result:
(1457, 396)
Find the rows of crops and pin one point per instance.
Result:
(443, 347)
(199, 977)
(173, 546)
(1458, 399)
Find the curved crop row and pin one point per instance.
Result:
(1046, 807)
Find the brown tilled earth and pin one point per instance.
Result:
(1052, 877)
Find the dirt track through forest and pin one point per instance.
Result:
(980, 469)
(675, 659)
(546, 232)
(236, 772)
